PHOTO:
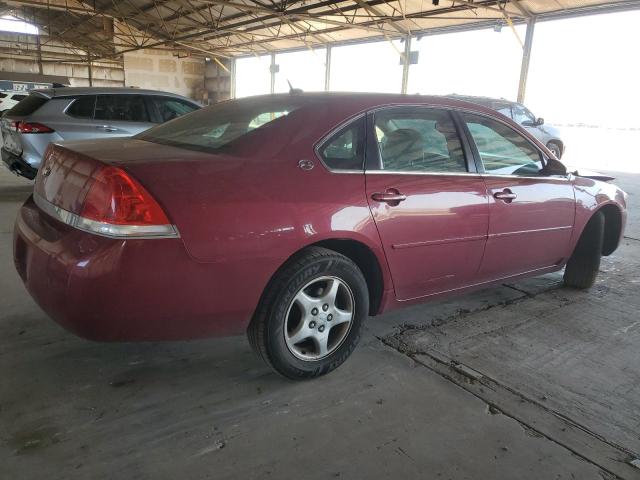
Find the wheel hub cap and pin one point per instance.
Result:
(319, 318)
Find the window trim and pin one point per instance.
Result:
(374, 158)
(337, 131)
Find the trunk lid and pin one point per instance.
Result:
(194, 189)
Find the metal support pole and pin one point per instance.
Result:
(39, 51)
(89, 65)
(232, 87)
(526, 57)
(327, 70)
(272, 70)
(406, 63)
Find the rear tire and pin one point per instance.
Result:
(582, 267)
(311, 315)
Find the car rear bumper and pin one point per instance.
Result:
(18, 165)
(122, 290)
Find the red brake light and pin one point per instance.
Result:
(117, 199)
(32, 127)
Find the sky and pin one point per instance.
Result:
(582, 70)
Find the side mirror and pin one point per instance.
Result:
(554, 167)
(539, 121)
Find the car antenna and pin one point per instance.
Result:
(293, 91)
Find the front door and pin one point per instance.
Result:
(429, 204)
(531, 212)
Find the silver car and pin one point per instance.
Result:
(58, 114)
(547, 134)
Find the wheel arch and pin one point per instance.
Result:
(612, 227)
(360, 254)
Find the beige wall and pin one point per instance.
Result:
(161, 70)
(218, 81)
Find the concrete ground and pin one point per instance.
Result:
(527, 381)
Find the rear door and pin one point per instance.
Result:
(121, 115)
(428, 202)
(76, 119)
(532, 213)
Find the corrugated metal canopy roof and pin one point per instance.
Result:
(227, 28)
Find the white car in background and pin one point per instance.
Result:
(8, 99)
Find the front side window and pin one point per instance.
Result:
(344, 150)
(503, 150)
(418, 140)
(121, 108)
(523, 116)
(170, 108)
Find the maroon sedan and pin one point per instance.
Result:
(294, 217)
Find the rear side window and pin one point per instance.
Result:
(82, 107)
(419, 140)
(18, 97)
(28, 105)
(3, 95)
(170, 108)
(345, 149)
(223, 125)
(121, 108)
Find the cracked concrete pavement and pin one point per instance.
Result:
(528, 381)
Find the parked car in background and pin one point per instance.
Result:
(60, 114)
(9, 99)
(295, 217)
(520, 114)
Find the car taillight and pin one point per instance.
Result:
(116, 198)
(32, 127)
(115, 205)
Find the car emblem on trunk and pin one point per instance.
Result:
(46, 172)
(305, 164)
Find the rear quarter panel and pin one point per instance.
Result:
(244, 216)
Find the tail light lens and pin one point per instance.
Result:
(116, 198)
(32, 127)
(115, 205)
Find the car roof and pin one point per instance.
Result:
(75, 91)
(365, 101)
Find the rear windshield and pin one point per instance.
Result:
(28, 105)
(221, 126)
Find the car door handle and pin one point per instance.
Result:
(107, 128)
(506, 195)
(391, 196)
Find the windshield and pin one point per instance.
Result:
(221, 126)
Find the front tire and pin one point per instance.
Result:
(555, 149)
(311, 315)
(582, 267)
